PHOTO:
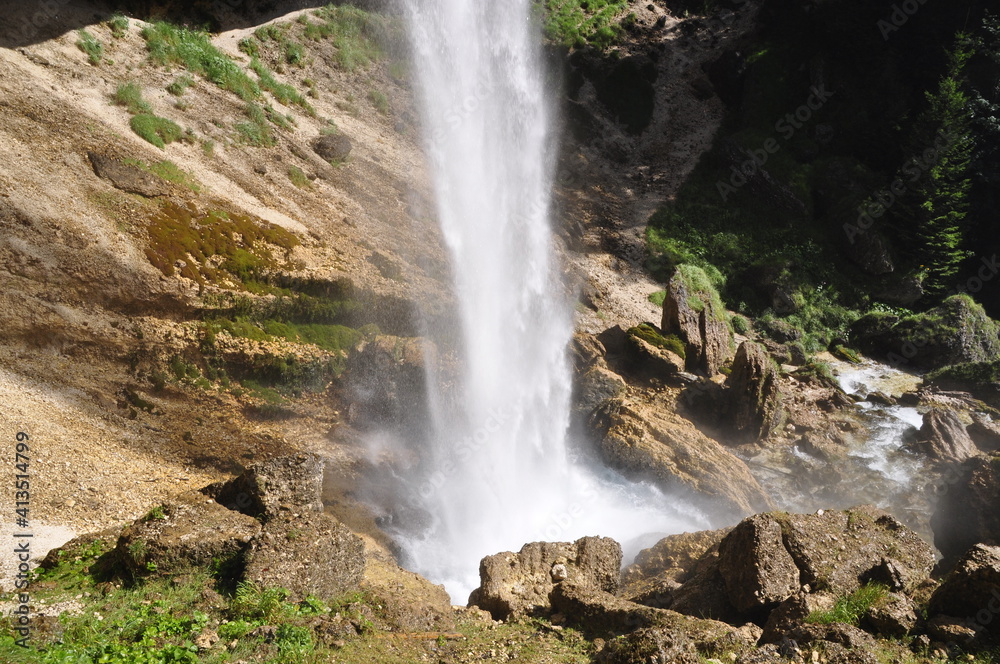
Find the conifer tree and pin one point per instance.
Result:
(941, 195)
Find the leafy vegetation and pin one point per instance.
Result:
(192, 49)
(851, 608)
(941, 199)
(284, 93)
(91, 46)
(379, 101)
(578, 23)
(129, 95)
(256, 131)
(156, 130)
(298, 177)
(180, 84)
(360, 37)
(118, 24)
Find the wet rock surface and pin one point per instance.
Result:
(646, 440)
(966, 513)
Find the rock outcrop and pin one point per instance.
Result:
(273, 487)
(753, 394)
(693, 312)
(191, 530)
(333, 148)
(387, 381)
(772, 576)
(769, 558)
(966, 512)
(520, 584)
(648, 440)
(652, 354)
(955, 332)
(943, 438)
(308, 554)
(972, 591)
(984, 432)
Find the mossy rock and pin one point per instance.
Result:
(958, 331)
(652, 336)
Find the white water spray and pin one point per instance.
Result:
(501, 472)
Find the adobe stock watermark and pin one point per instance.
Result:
(786, 127)
(878, 203)
(467, 448)
(30, 26)
(901, 13)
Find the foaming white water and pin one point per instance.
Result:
(501, 471)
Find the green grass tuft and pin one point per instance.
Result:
(91, 46)
(379, 101)
(118, 24)
(851, 608)
(180, 85)
(158, 131)
(298, 177)
(193, 50)
(129, 95)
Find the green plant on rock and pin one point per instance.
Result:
(91, 46)
(155, 129)
(180, 85)
(129, 95)
(670, 342)
(851, 608)
(192, 49)
(118, 25)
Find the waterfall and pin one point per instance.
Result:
(499, 469)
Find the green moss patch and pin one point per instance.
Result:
(216, 246)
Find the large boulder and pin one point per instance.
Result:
(840, 550)
(652, 354)
(972, 591)
(387, 381)
(755, 566)
(693, 312)
(673, 557)
(520, 584)
(602, 614)
(334, 148)
(984, 432)
(188, 531)
(648, 440)
(273, 487)
(966, 512)
(129, 177)
(767, 558)
(307, 554)
(957, 331)
(753, 394)
(942, 438)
